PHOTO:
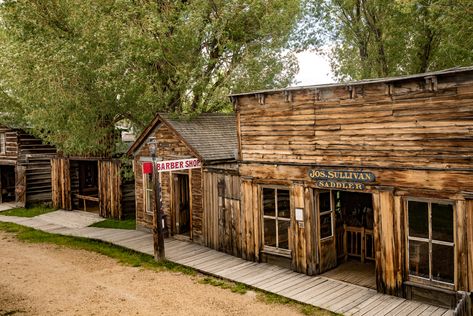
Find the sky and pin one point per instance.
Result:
(313, 69)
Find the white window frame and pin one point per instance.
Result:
(331, 212)
(148, 193)
(3, 143)
(277, 249)
(430, 241)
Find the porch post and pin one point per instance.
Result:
(388, 228)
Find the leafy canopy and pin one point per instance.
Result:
(72, 69)
(379, 38)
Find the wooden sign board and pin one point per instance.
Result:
(173, 165)
(341, 179)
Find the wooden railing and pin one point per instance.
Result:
(464, 306)
(86, 198)
(355, 242)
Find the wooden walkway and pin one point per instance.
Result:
(321, 291)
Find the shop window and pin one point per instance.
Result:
(148, 188)
(3, 147)
(326, 215)
(431, 241)
(276, 217)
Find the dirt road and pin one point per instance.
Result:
(50, 280)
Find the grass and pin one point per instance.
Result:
(137, 259)
(28, 212)
(113, 223)
(122, 255)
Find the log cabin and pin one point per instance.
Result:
(200, 187)
(25, 171)
(370, 181)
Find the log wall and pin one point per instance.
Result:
(415, 135)
(31, 158)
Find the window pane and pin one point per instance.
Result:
(284, 205)
(442, 222)
(419, 258)
(268, 202)
(270, 232)
(325, 225)
(442, 263)
(324, 202)
(418, 219)
(283, 231)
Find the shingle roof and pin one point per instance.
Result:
(210, 135)
(213, 136)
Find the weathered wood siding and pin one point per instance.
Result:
(110, 193)
(415, 135)
(11, 145)
(170, 148)
(31, 158)
(224, 221)
(35, 156)
(401, 124)
(65, 185)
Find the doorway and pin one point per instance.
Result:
(7, 184)
(346, 240)
(181, 205)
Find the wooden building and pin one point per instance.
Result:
(200, 201)
(25, 171)
(93, 184)
(376, 171)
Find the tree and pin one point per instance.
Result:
(72, 69)
(380, 38)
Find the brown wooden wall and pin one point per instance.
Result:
(415, 135)
(401, 124)
(170, 147)
(31, 158)
(224, 222)
(110, 195)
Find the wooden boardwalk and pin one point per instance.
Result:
(321, 291)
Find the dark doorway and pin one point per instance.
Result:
(84, 185)
(182, 204)
(7, 184)
(346, 236)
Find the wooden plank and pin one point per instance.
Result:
(295, 290)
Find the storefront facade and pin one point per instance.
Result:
(378, 171)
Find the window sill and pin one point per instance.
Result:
(426, 284)
(277, 251)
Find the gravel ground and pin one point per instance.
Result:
(38, 279)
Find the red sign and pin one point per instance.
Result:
(147, 167)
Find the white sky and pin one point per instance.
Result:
(313, 69)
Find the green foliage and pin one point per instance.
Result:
(234, 287)
(72, 69)
(28, 212)
(123, 255)
(379, 38)
(118, 224)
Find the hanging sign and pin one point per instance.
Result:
(172, 165)
(341, 179)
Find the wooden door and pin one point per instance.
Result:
(325, 211)
(181, 204)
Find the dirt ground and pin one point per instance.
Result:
(51, 280)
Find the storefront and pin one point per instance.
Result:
(374, 174)
(198, 177)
